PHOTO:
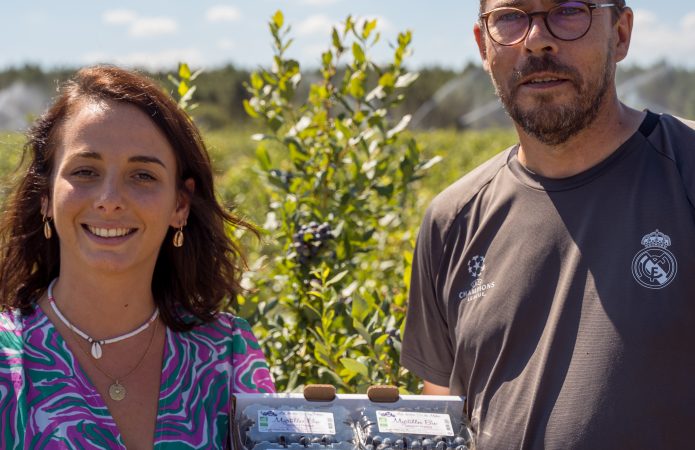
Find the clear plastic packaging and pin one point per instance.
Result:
(417, 428)
(350, 422)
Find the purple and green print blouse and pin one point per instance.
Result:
(47, 401)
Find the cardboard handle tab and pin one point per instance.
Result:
(319, 392)
(383, 393)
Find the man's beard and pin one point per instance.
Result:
(549, 123)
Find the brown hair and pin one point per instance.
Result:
(190, 284)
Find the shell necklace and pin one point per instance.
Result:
(96, 344)
(117, 391)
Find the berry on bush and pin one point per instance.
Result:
(309, 240)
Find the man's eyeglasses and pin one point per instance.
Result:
(567, 21)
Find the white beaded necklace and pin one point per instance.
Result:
(96, 344)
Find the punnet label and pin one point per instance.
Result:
(308, 422)
(408, 422)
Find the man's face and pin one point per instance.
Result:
(551, 88)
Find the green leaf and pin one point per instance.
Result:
(278, 19)
(387, 80)
(183, 88)
(188, 95)
(337, 44)
(184, 71)
(249, 109)
(356, 84)
(327, 58)
(360, 309)
(431, 162)
(263, 157)
(406, 79)
(400, 126)
(362, 331)
(256, 81)
(336, 278)
(349, 24)
(196, 73)
(368, 28)
(358, 53)
(355, 366)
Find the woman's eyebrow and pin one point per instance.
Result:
(146, 159)
(136, 158)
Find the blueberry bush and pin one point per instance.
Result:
(329, 303)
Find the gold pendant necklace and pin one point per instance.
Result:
(117, 391)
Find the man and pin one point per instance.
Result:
(553, 285)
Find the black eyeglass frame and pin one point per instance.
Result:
(591, 6)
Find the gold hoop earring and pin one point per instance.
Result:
(47, 231)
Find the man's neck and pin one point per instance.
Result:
(614, 124)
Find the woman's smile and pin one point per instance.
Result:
(104, 232)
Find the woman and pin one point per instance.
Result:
(115, 265)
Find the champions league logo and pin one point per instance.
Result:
(476, 265)
(478, 289)
(654, 267)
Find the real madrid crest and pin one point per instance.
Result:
(654, 266)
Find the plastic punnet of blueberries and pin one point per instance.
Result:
(335, 428)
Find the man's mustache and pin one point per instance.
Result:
(545, 63)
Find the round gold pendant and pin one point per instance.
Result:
(117, 391)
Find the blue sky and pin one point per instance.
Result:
(208, 33)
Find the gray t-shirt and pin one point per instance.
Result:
(564, 310)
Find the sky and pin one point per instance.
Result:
(156, 34)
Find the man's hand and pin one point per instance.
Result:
(433, 389)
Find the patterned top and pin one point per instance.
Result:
(47, 401)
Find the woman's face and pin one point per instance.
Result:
(113, 192)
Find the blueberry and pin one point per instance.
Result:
(460, 440)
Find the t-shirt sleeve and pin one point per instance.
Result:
(251, 374)
(687, 160)
(675, 139)
(426, 349)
